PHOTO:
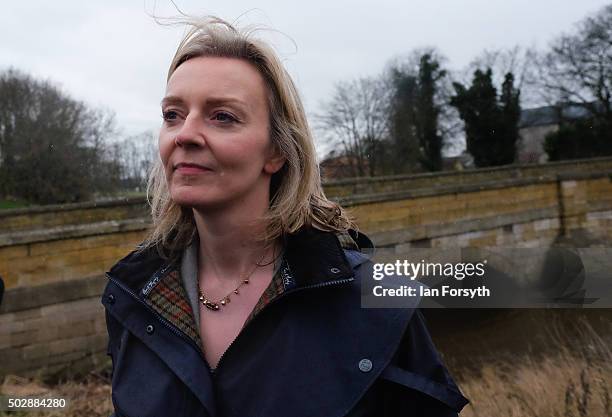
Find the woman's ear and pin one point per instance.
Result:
(275, 161)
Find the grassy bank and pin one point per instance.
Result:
(564, 386)
(11, 204)
(573, 380)
(89, 397)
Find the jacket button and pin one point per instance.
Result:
(150, 329)
(365, 365)
(111, 299)
(334, 270)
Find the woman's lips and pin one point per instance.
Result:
(191, 169)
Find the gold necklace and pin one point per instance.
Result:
(216, 305)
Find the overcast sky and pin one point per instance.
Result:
(113, 54)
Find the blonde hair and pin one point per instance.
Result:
(296, 194)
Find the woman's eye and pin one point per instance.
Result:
(224, 117)
(169, 115)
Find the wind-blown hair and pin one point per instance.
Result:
(296, 194)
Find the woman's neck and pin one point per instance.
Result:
(227, 248)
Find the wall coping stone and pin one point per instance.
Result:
(469, 172)
(72, 231)
(25, 298)
(111, 202)
(466, 188)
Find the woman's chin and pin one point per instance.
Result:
(189, 199)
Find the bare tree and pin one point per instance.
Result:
(520, 61)
(356, 119)
(136, 155)
(49, 143)
(578, 66)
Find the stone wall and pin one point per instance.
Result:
(53, 329)
(514, 212)
(54, 267)
(359, 186)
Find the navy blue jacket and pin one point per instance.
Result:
(313, 351)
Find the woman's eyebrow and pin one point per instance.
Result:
(215, 101)
(211, 101)
(171, 100)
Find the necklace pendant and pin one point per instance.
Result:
(210, 305)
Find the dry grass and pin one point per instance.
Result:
(574, 382)
(89, 397)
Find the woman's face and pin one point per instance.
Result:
(215, 139)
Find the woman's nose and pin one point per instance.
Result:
(191, 132)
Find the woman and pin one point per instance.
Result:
(244, 300)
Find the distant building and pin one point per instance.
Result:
(339, 166)
(458, 162)
(536, 123)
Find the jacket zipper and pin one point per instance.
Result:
(291, 291)
(182, 335)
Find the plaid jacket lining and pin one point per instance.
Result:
(169, 298)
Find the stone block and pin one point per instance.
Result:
(35, 351)
(18, 339)
(75, 329)
(67, 345)
(540, 225)
(28, 298)
(11, 360)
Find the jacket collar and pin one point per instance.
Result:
(315, 257)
